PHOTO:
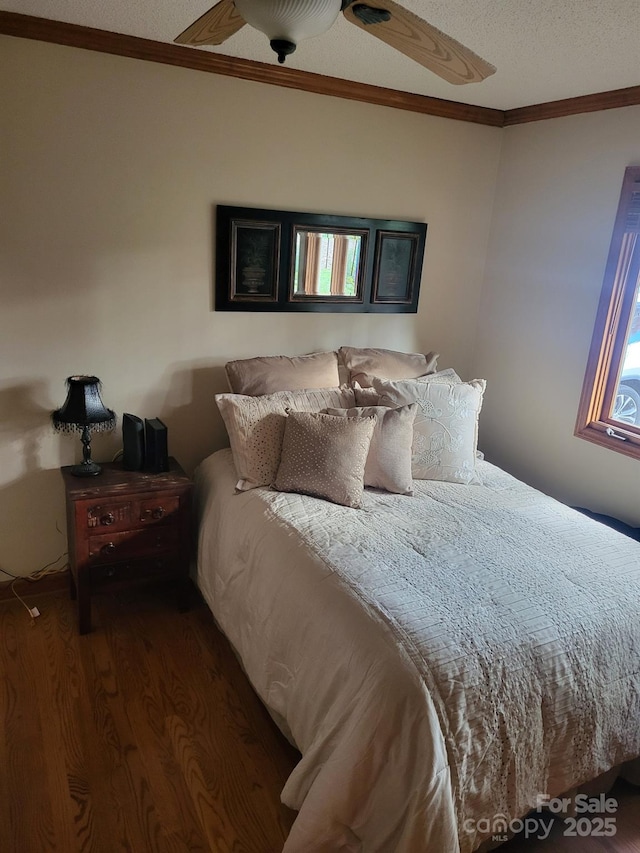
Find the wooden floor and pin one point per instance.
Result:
(145, 736)
(141, 736)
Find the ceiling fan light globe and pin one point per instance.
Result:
(289, 20)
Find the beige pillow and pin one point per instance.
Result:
(389, 461)
(386, 363)
(268, 374)
(445, 431)
(325, 456)
(256, 425)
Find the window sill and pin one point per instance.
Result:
(612, 437)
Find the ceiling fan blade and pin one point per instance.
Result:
(215, 26)
(420, 41)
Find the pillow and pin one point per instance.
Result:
(386, 363)
(389, 461)
(268, 374)
(256, 425)
(447, 375)
(445, 431)
(325, 456)
(366, 394)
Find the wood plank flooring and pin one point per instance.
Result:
(141, 736)
(145, 736)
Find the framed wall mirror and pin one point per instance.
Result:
(327, 265)
(274, 260)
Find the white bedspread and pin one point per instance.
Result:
(437, 659)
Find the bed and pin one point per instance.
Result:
(429, 676)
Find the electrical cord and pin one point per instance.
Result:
(40, 573)
(49, 569)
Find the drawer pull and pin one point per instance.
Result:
(107, 519)
(158, 512)
(107, 549)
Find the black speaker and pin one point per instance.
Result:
(157, 454)
(133, 443)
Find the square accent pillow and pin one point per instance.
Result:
(389, 461)
(255, 426)
(386, 363)
(445, 430)
(268, 374)
(325, 456)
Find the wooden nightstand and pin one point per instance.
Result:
(126, 527)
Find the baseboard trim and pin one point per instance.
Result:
(28, 589)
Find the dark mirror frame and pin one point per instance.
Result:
(390, 270)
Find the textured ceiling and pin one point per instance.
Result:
(544, 50)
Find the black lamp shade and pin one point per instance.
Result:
(83, 406)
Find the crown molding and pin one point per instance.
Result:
(574, 106)
(72, 35)
(88, 38)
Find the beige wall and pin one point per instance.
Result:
(111, 169)
(556, 199)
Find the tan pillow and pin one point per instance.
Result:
(325, 456)
(445, 431)
(268, 374)
(386, 363)
(256, 425)
(389, 461)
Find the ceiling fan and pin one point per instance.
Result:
(286, 22)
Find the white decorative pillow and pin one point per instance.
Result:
(365, 389)
(389, 461)
(446, 375)
(268, 374)
(386, 363)
(445, 431)
(256, 426)
(325, 456)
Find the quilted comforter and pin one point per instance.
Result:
(439, 660)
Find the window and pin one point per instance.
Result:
(609, 411)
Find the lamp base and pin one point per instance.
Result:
(86, 469)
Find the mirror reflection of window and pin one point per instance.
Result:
(326, 264)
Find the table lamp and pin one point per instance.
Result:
(84, 411)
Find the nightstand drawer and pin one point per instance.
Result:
(158, 508)
(114, 573)
(131, 544)
(110, 515)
